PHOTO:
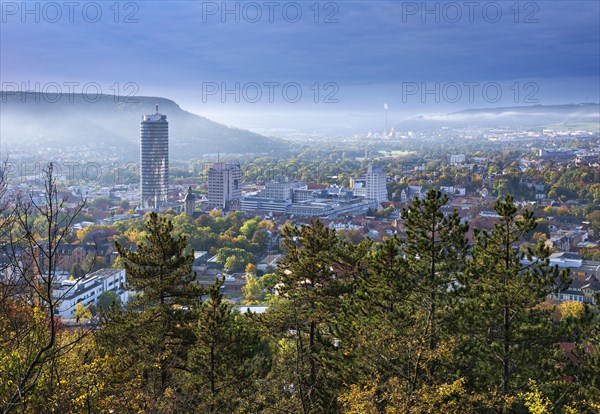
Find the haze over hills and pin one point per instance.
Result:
(584, 116)
(29, 118)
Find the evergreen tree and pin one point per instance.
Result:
(507, 336)
(301, 321)
(404, 304)
(587, 364)
(160, 268)
(377, 329)
(152, 337)
(227, 358)
(580, 336)
(435, 249)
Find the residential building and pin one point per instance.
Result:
(411, 192)
(584, 275)
(566, 240)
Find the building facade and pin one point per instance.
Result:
(375, 184)
(88, 289)
(275, 197)
(154, 160)
(457, 158)
(224, 186)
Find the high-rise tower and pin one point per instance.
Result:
(154, 160)
(376, 187)
(224, 186)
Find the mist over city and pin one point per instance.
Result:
(329, 206)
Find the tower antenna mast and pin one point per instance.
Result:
(385, 109)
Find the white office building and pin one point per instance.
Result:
(274, 198)
(375, 184)
(224, 186)
(87, 290)
(457, 158)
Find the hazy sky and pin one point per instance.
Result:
(348, 56)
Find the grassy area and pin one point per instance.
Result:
(584, 126)
(397, 153)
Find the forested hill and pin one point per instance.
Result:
(583, 116)
(74, 120)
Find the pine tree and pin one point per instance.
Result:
(161, 267)
(301, 321)
(405, 301)
(435, 249)
(227, 358)
(434, 252)
(377, 334)
(507, 336)
(153, 335)
(587, 363)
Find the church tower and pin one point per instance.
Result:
(189, 203)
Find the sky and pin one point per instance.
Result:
(307, 65)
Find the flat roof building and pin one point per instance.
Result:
(88, 289)
(376, 186)
(224, 186)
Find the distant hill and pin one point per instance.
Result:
(115, 122)
(584, 116)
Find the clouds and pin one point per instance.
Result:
(177, 45)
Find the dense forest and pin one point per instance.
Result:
(427, 323)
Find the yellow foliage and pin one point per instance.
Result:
(570, 309)
(251, 269)
(82, 313)
(571, 410)
(535, 401)
(133, 235)
(359, 400)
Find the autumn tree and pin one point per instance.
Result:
(252, 290)
(29, 323)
